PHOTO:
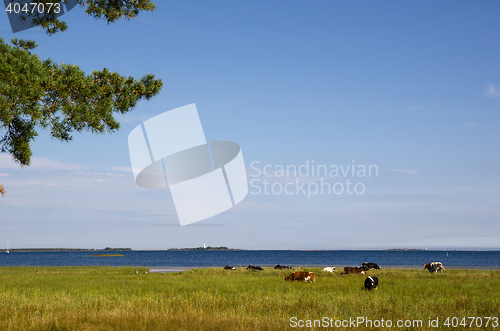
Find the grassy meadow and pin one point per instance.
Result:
(115, 298)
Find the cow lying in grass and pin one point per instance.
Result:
(281, 267)
(226, 267)
(303, 276)
(368, 265)
(252, 267)
(434, 267)
(355, 270)
(329, 269)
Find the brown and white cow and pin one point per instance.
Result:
(303, 276)
(356, 270)
(434, 267)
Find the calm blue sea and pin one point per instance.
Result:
(481, 259)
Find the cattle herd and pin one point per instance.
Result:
(371, 282)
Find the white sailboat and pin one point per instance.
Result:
(7, 251)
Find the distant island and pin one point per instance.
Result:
(65, 249)
(406, 249)
(107, 249)
(208, 248)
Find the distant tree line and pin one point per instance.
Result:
(209, 248)
(117, 249)
(64, 249)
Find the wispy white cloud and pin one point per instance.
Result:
(90, 192)
(415, 108)
(6, 162)
(492, 91)
(410, 172)
(133, 118)
(40, 163)
(3, 175)
(469, 124)
(122, 169)
(48, 164)
(97, 174)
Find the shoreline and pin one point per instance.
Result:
(218, 249)
(339, 268)
(169, 269)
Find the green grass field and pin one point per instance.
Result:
(110, 298)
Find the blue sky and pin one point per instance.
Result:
(411, 87)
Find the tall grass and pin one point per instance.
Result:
(110, 298)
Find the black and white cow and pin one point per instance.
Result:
(368, 265)
(253, 267)
(371, 282)
(281, 267)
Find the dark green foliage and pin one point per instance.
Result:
(110, 10)
(37, 93)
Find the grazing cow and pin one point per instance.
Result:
(252, 267)
(434, 267)
(368, 265)
(371, 283)
(226, 267)
(356, 270)
(304, 276)
(329, 269)
(281, 267)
